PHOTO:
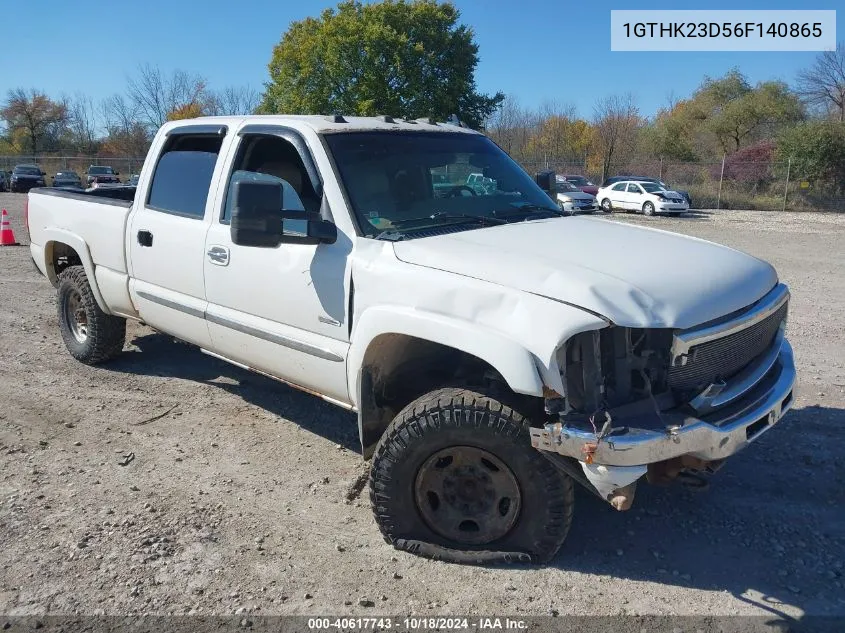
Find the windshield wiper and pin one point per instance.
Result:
(446, 215)
(530, 208)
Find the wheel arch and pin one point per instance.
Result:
(63, 249)
(399, 354)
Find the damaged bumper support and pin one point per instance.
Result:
(620, 456)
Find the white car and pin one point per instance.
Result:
(641, 196)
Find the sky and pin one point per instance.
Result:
(535, 50)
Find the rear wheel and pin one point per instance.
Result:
(90, 335)
(648, 208)
(606, 206)
(455, 478)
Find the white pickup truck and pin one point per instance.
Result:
(493, 350)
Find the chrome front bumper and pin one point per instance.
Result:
(714, 436)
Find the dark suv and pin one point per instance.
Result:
(613, 179)
(25, 177)
(102, 174)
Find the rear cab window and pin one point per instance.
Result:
(183, 174)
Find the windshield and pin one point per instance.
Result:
(66, 174)
(410, 180)
(579, 181)
(651, 187)
(563, 185)
(98, 171)
(28, 170)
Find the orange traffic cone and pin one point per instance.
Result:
(7, 235)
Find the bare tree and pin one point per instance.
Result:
(82, 123)
(125, 134)
(34, 112)
(511, 126)
(234, 100)
(615, 120)
(156, 95)
(118, 112)
(823, 84)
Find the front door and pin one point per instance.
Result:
(636, 196)
(167, 235)
(283, 310)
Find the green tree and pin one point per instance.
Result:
(817, 151)
(722, 116)
(737, 113)
(397, 57)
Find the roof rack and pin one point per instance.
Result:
(386, 118)
(336, 118)
(427, 119)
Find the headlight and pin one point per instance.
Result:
(564, 198)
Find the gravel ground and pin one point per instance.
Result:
(170, 483)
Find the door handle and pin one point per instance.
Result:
(218, 255)
(145, 238)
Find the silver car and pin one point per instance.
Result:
(572, 200)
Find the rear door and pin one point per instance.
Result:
(168, 228)
(618, 196)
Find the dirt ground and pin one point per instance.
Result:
(169, 482)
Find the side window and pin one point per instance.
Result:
(634, 188)
(619, 187)
(182, 175)
(272, 159)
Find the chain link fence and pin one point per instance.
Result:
(126, 166)
(760, 185)
(727, 184)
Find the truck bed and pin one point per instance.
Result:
(98, 217)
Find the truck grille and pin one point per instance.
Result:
(724, 357)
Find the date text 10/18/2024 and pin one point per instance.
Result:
(416, 623)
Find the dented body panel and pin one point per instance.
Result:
(634, 276)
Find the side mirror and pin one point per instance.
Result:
(546, 181)
(43, 173)
(299, 229)
(259, 220)
(116, 173)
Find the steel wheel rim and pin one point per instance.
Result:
(467, 495)
(648, 209)
(75, 316)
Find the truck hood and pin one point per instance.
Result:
(576, 195)
(633, 276)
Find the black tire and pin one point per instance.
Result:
(90, 335)
(648, 208)
(607, 205)
(464, 421)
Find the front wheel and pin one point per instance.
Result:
(606, 206)
(90, 335)
(455, 478)
(648, 208)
